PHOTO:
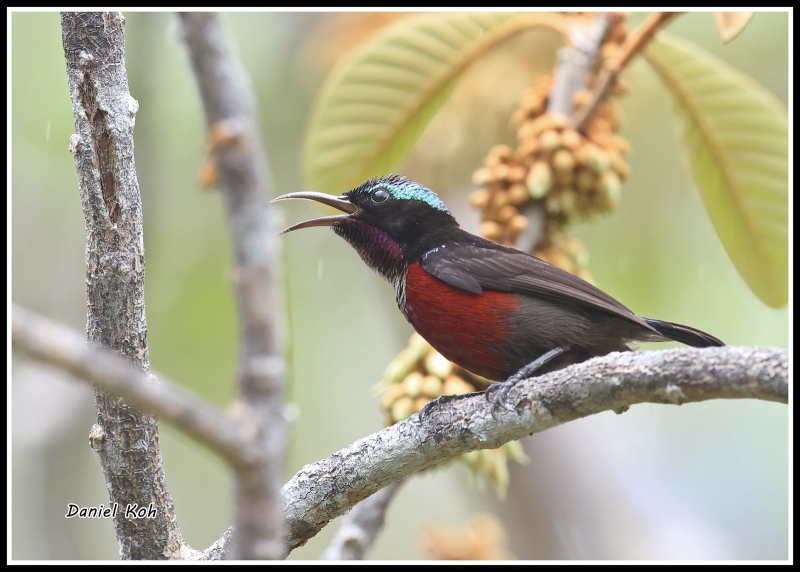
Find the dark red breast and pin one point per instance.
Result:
(466, 328)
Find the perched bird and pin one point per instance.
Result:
(493, 310)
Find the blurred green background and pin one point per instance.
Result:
(700, 481)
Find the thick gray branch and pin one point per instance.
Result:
(245, 179)
(104, 111)
(327, 489)
(60, 346)
(360, 527)
(57, 345)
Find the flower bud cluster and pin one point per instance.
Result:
(571, 175)
(418, 374)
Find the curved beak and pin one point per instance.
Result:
(342, 203)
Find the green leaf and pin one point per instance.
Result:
(735, 137)
(376, 104)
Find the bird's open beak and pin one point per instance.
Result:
(341, 203)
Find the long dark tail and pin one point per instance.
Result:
(684, 334)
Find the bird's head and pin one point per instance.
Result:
(383, 214)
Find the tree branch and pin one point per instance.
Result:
(62, 347)
(326, 489)
(633, 44)
(57, 345)
(216, 551)
(233, 134)
(125, 439)
(360, 526)
(575, 61)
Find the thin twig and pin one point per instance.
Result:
(632, 45)
(360, 526)
(327, 489)
(233, 134)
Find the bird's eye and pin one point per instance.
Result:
(380, 196)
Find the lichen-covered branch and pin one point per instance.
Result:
(328, 488)
(57, 345)
(240, 158)
(125, 439)
(360, 526)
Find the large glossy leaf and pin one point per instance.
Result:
(735, 136)
(376, 104)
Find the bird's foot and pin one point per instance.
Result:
(442, 400)
(497, 392)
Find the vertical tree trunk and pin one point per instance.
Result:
(125, 439)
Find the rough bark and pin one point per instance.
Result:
(329, 488)
(125, 439)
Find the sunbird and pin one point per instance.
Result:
(496, 311)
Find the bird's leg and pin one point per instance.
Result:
(442, 400)
(500, 390)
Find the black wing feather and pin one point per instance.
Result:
(502, 269)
